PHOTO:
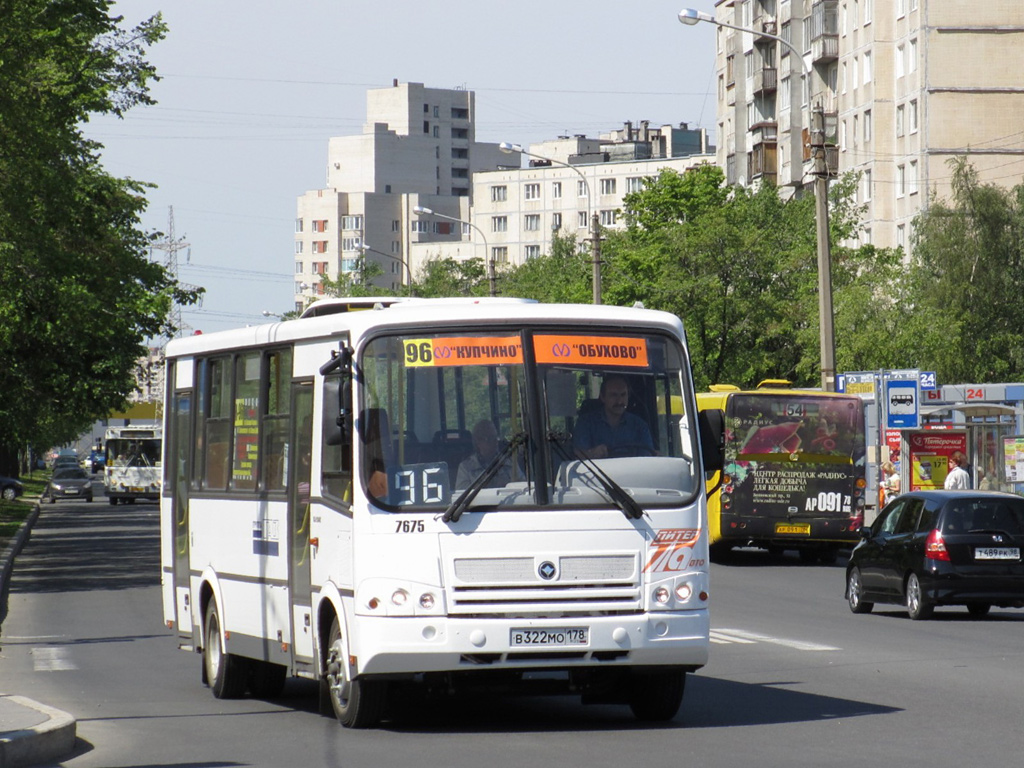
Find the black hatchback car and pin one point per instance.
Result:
(931, 548)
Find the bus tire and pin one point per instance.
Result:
(225, 672)
(356, 703)
(267, 679)
(656, 697)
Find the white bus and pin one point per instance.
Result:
(132, 469)
(327, 513)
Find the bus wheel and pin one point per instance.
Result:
(656, 697)
(356, 703)
(113, 501)
(225, 672)
(267, 679)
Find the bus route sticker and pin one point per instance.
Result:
(463, 350)
(669, 549)
(591, 350)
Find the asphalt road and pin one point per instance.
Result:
(795, 679)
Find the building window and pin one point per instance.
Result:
(867, 68)
(437, 131)
(901, 53)
(532, 251)
(319, 267)
(608, 218)
(298, 246)
(912, 181)
(396, 246)
(420, 226)
(867, 186)
(349, 265)
(437, 111)
(635, 184)
(581, 188)
(842, 136)
(319, 246)
(299, 287)
(901, 8)
(319, 225)
(350, 243)
(298, 267)
(856, 130)
(912, 56)
(900, 120)
(396, 225)
(531, 222)
(868, 11)
(298, 225)
(901, 236)
(499, 223)
(499, 254)
(351, 222)
(556, 221)
(867, 125)
(581, 219)
(607, 186)
(499, 194)
(855, 71)
(901, 180)
(556, 190)
(913, 116)
(426, 126)
(531, 191)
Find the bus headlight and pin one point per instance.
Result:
(427, 601)
(684, 591)
(662, 595)
(399, 597)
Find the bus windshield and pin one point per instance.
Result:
(525, 418)
(133, 451)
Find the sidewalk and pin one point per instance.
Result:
(30, 732)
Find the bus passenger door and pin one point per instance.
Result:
(299, 545)
(179, 476)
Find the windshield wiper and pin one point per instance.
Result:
(614, 492)
(457, 507)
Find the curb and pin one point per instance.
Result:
(10, 554)
(50, 740)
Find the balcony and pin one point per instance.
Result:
(762, 163)
(824, 31)
(764, 133)
(765, 25)
(766, 81)
(824, 49)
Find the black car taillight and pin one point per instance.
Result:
(935, 546)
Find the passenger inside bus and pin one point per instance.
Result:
(608, 430)
(485, 445)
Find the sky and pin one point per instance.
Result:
(252, 90)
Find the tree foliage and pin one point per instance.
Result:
(78, 294)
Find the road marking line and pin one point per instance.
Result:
(742, 636)
(49, 659)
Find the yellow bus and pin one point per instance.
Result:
(793, 474)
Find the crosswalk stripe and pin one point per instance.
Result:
(50, 659)
(744, 637)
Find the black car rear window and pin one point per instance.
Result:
(965, 516)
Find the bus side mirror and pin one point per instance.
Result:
(711, 424)
(337, 425)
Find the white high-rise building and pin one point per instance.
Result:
(903, 86)
(418, 148)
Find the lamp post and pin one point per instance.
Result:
(364, 249)
(491, 278)
(509, 147)
(690, 16)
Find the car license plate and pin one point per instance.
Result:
(549, 638)
(997, 553)
(803, 529)
(71, 491)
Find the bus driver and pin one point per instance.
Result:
(611, 430)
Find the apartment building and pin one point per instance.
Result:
(902, 86)
(418, 148)
(570, 179)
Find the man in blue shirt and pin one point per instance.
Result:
(612, 431)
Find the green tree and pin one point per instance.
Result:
(358, 282)
(78, 293)
(966, 281)
(440, 277)
(563, 276)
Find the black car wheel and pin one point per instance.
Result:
(979, 609)
(855, 593)
(918, 606)
(10, 494)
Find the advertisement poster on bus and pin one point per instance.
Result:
(793, 455)
(929, 454)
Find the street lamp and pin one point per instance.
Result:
(690, 16)
(508, 147)
(364, 248)
(491, 278)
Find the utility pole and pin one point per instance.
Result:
(172, 245)
(595, 253)
(821, 175)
